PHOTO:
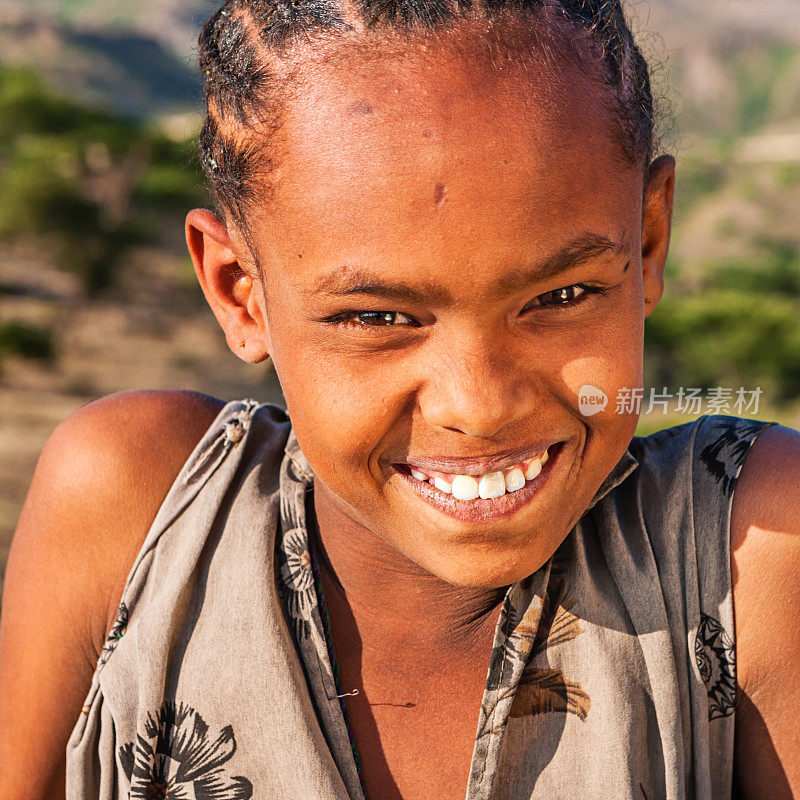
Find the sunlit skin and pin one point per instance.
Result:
(457, 205)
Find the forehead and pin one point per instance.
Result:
(444, 145)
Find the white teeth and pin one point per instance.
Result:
(489, 486)
(465, 487)
(534, 468)
(492, 485)
(515, 480)
(442, 485)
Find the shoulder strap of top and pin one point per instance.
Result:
(214, 460)
(203, 665)
(685, 483)
(721, 445)
(684, 489)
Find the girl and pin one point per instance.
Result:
(444, 224)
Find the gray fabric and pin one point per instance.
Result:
(612, 673)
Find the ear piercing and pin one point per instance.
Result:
(242, 343)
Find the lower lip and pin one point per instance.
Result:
(482, 510)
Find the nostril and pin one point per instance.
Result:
(472, 393)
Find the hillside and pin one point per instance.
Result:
(140, 57)
(120, 67)
(172, 23)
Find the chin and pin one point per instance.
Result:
(485, 570)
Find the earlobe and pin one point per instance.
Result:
(656, 228)
(227, 286)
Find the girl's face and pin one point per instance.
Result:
(452, 251)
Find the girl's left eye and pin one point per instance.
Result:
(563, 298)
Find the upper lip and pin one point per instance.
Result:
(482, 465)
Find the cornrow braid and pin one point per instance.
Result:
(240, 47)
(246, 53)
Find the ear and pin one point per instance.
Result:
(656, 227)
(229, 289)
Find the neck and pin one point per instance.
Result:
(390, 603)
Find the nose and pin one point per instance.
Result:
(476, 390)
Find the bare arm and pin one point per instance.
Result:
(765, 538)
(98, 484)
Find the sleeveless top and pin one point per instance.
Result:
(612, 673)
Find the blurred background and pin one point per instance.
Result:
(99, 104)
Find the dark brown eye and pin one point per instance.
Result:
(558, 297)
(380, 318)
(364, 320)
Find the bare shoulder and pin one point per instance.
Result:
(765, 537)
(119, 456)
(765, 544)
(770, 471)
(97, 487)
(146, 431)
(103, 475)
(167, 418)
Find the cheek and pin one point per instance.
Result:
(619, 367)
(341, 407)
(604, 367)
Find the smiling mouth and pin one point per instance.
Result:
(478, 498)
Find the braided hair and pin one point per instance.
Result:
(249, 54)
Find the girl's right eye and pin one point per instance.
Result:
(373, 319)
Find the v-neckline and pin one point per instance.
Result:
(516, 628)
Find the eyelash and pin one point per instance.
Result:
(588, 291)
(348, 318)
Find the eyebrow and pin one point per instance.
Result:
(584, 248)
(354, 280)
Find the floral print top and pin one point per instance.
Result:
(612, 672)
(528, 676)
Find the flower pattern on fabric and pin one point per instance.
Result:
(724, 456)
(297, 580)
(177, 759)
(540, 690)
(296, 568)
(716, 660)
(115, 634)
(518, 630)
(543, 690)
